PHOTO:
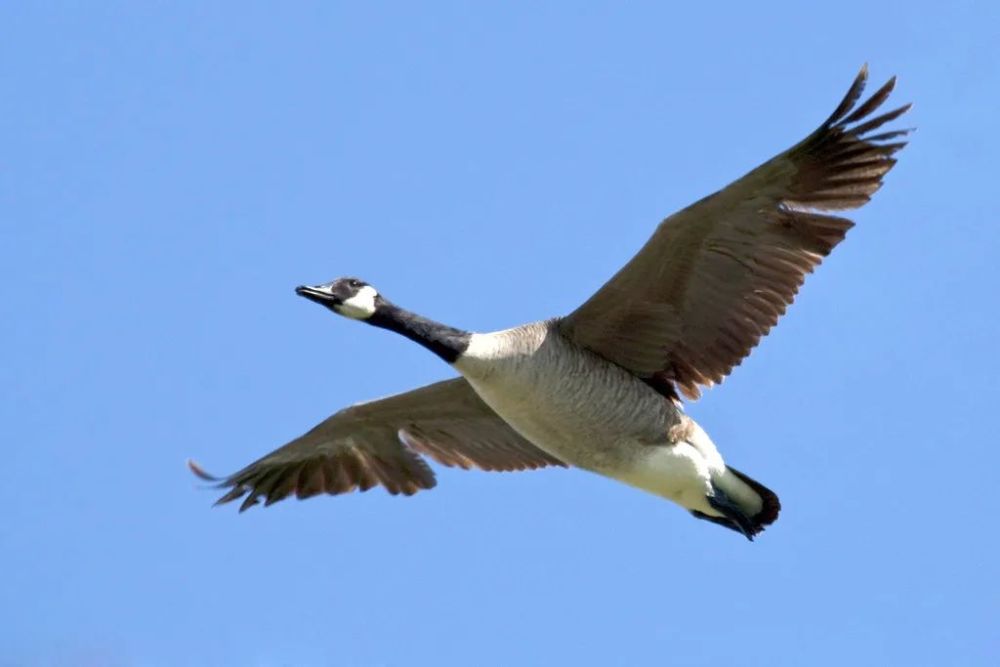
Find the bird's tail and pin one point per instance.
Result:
(761, 504)
(747, 505)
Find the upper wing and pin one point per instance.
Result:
(716, 276)
(363, 445)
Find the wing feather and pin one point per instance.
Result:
(380, 443)
(715, 277)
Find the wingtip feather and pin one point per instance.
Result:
(852, 96)
(200, 472)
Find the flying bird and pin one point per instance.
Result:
(600, 389)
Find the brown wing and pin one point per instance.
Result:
(716, 276)
(363, 446)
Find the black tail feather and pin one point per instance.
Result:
(768, 513)
(733, 516)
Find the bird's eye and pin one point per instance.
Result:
(354, 283)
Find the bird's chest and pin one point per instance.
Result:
(586, 412)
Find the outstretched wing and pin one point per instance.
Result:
(380, 442)
(716, 276)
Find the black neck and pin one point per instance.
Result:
(444, 341)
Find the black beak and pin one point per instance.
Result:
(315, 294)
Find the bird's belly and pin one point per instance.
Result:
(559, 429)
(675, 471)
(589, 413)
(594, 415)
(579, 408)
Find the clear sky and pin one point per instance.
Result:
(170, 171)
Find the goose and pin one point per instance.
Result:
(600, 389)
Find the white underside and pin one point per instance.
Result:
(685, 473)
(676, 472)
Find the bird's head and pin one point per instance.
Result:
(349, 297)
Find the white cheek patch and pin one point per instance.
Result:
(361, 306)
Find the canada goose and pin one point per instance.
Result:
(598, 389)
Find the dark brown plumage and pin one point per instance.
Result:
(360, 447)
(716, 276)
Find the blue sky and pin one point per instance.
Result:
(171, 171)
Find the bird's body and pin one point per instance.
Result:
(599, 388)
(569, 402)
(590, 413)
